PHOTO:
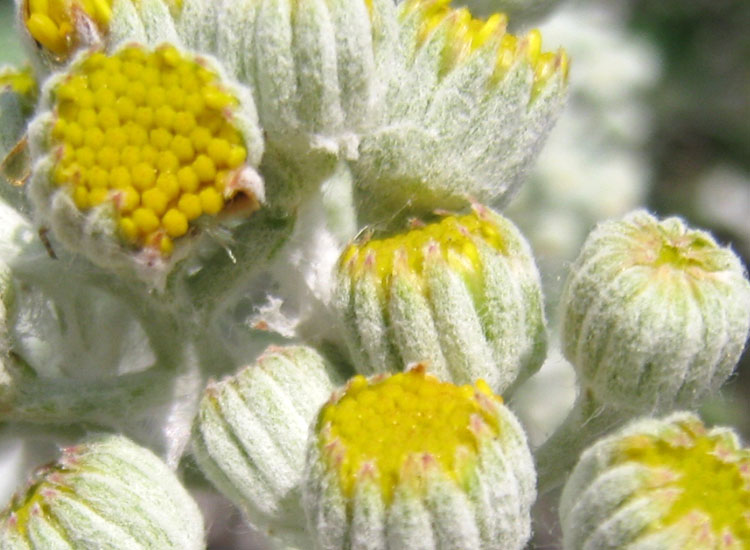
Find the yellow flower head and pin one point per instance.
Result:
(151, 133)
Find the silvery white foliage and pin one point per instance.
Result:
(448, 135)
(106, 492)
(59, 362)
(593, 166)
(492, 513)
(251, 431)
(94, 234)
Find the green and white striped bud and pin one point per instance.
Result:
(311, 64)
(461, 294)
(656, 314)
(666, 484)
(106, 492)
(251, 433)
(136, 151)
(411, 463)
(466, 112)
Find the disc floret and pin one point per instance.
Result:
(410, 461)
(152, 134)
(388, 422)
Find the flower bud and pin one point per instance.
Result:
(465, 114)
(410, 462)
(660, 484)
(461, 294)
(250, 435)
(135, 149)
(655, 314)
(106, 492)
(311, 65)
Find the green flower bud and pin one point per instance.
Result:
(135, 149)
(311, 64)
(409, 462)
(660, 484)
(466, 111)
(655, 314)
(461, 294)
(251, 431)
(106, 492)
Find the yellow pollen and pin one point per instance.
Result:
(388, 421)
(708, 472)
(128, 134)
(454, 238)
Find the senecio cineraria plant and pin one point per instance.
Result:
(263, 237)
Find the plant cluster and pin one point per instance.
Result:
(264, 238)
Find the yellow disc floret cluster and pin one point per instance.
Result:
(710, 475)
(453, 236)
(465, 35)
(386, 421)
(151, 134)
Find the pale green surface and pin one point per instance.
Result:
(10, 51)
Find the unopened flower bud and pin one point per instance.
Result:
(134, 148)
(461, 294)
(655, 314)
(464, 116)
(251, 432)
(407, 462)
(106, 492)
(664, 484)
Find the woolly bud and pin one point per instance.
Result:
(251, 431)
(655, 314)
(407, 462)
(660, 484)
(461, 294)
(465, 114)
(104, 493)
(135, 148)
(311, 66)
